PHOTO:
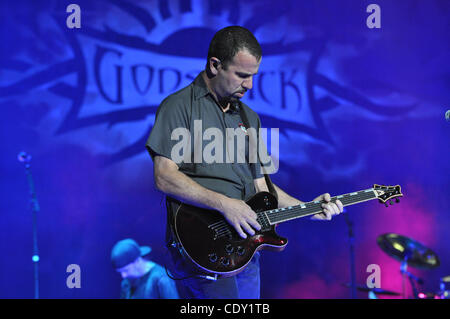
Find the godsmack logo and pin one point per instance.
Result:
(103, 83)
(234, 147)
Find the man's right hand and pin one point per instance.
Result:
(170, 180)
(240, 216)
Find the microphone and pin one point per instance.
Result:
(447, 116)
(24, 157)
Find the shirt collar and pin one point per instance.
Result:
(200, 88)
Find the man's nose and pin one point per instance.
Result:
(248, 83)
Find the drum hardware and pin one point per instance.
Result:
(373, 292)
(410, 253)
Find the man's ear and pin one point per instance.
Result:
(214, 65)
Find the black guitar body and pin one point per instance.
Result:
(214, 246)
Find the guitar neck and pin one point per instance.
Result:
(280, 215)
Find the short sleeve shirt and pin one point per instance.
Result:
(206, 143)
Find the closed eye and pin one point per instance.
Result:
(243, 75)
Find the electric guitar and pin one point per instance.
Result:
(206, 239)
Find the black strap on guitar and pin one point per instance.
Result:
(266, 176)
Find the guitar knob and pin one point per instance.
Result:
(229, 248)
(240, 250)
(225, 261)
(212, 257)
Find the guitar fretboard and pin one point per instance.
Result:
(279, 215)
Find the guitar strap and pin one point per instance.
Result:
(266, 176)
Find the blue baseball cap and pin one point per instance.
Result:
(127, 251)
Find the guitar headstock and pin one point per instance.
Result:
(387, 193)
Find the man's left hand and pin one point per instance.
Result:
(329, 209)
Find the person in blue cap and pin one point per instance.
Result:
(141, 278)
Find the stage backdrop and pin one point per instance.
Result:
(355, 103)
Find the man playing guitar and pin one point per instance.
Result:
(214, 97)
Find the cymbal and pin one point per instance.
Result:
(377, 291)
(406, 249)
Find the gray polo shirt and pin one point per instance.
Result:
(230, 170)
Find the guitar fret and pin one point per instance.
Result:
(311, 208)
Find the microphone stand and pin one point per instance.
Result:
(351, 237)
(26, 159)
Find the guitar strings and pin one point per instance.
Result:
(270, 217)
(280, 215)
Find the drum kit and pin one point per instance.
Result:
(409, 253)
